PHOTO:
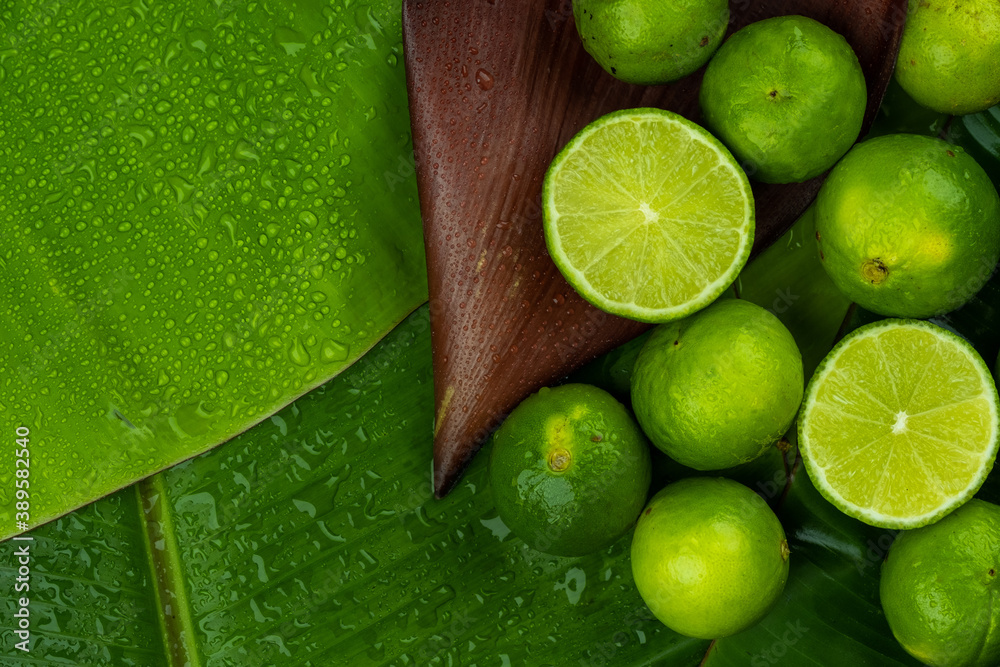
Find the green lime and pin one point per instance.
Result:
(940, 589)
(908, 226)
(949, 59)
(650, 41)
(899, 425)
(570, 470)
(647, 215)
(718, 388)
(787, 96)
(709, 557)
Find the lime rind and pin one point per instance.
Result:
(986, 454)
(569, 470)
(704, 288)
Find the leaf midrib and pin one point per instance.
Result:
(177, 629)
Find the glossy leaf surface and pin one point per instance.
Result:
(207, 209)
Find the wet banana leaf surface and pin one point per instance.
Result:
(207, 210)
(93, 601)
(311, 540)
(980, 135)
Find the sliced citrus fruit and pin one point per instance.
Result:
(900, 425)
(647, 215)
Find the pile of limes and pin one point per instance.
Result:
(651, 216)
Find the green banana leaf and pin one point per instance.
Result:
(207, 209)
(93, 599)
(979, 134)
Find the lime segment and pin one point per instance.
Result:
(647, 215)
(900, 424)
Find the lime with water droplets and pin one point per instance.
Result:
(651, 42)
(908, 226)
(570, 470)
(787, 96)
(949, 58)
(716, 389)
(940, 589)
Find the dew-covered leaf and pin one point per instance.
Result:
(90, 592)
(207, 209)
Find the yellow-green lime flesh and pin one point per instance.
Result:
(647, 215)
(899, 425)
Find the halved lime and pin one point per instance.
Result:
(647, 215)
(900, 425)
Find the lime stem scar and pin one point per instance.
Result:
(559, 459)
(875, 271)
(785, 551)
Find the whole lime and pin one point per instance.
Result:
(570, 470)
(949, 59)
(717, 388)
(940, 588)
(709, 557)
(787, 96)
(650, 41)
(908, 226)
